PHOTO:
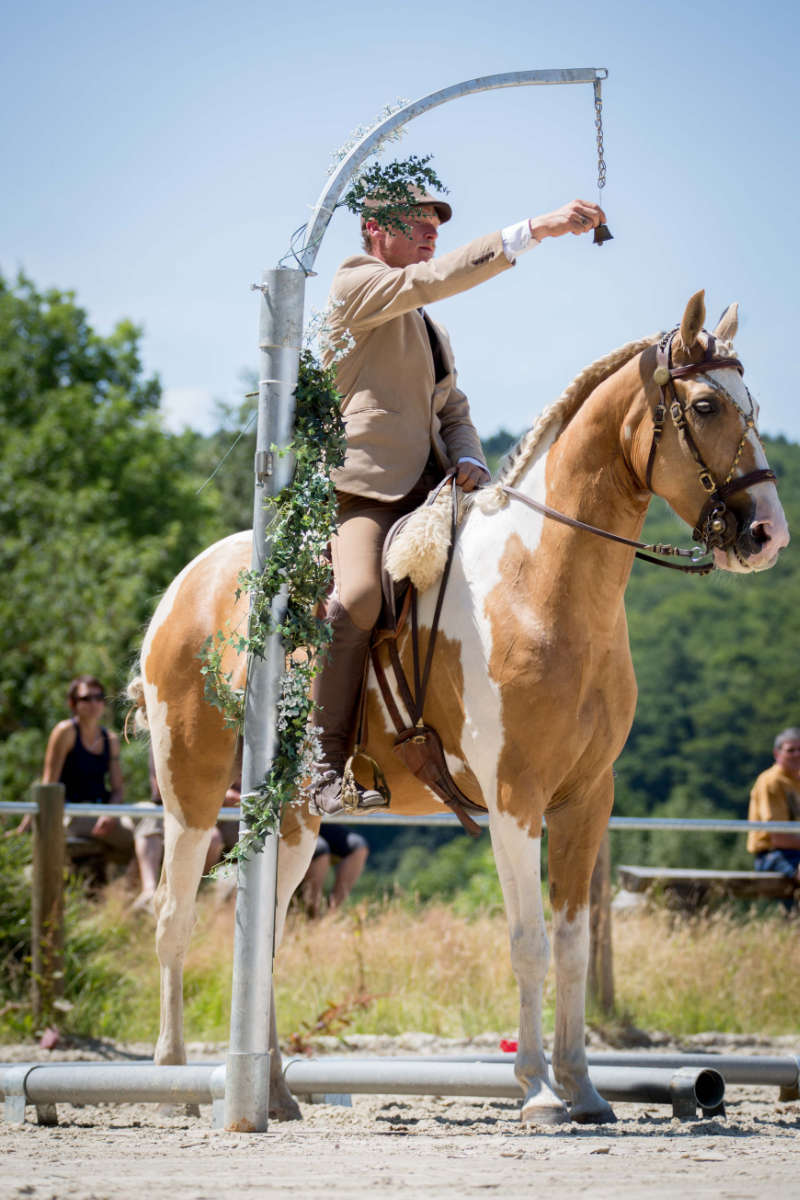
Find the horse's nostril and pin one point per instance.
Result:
(759, 532)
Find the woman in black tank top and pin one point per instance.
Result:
(84, 773)
(84, 756)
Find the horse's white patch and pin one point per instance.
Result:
(454, 763)
(768, 510)
(520, 863)
(185, 846)
(628, 433)
(518, 867)
(518, 860)
(573, 939)
(475, 573)
(293, 861)
(160, 739)
(571, 954)
(481, 736)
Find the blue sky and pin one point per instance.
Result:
(158, 156)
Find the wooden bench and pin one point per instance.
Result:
(92, 858)
(695, 886)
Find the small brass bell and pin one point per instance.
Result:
(602, 234)
(718, 525)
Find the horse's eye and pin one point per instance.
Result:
(704, 407)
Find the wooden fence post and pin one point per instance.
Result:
(47, 902)
(601, 964)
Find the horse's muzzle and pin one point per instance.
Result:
(751, 540)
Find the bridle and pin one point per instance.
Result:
(716, 525)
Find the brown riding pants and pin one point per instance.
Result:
(356, 548)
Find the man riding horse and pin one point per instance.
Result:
(406, 423)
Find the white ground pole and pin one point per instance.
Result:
(280, 335)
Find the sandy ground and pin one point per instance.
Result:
(405, 1148)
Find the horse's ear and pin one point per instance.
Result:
(693, 319)
(728, 324)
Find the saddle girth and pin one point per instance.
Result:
(418, 745)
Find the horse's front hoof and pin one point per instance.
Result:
(284, 1108)
(167, 1109)
(543, 1107)
(540, 1114)
(604, 1115)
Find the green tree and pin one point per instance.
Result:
(225, 458)
(716, 663)
(98, 507)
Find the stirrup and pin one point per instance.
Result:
(353, 795)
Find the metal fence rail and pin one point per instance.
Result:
(687, 824)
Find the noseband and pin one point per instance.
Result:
(716, 525)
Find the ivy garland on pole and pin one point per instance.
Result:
(288, 596)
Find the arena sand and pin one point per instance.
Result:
(405, 1148)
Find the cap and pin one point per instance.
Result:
(421, 198)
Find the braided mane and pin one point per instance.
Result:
(561, 411)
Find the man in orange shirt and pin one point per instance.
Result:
(776, 797)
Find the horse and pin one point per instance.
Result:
(533, 690)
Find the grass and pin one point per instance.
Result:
(720, 972)
(391, 968)
(430, 971)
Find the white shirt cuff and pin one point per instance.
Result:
(517, 239)
(476, 462)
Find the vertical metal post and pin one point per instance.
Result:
(247, 1074)
(47, 901)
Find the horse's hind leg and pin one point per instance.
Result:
(192, 775)
(518, 859)
(298, 839)
(184, 858)
(575, 831)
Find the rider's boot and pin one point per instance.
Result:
(335, 692)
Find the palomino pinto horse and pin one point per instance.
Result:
(533, 691)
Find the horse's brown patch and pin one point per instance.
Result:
(574, 833)
(202, 749)
(294, 820)
(560, 729)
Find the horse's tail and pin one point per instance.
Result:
(135, 693)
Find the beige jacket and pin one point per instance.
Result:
(394, 411)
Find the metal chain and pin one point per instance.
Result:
(598, 124)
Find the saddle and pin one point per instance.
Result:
(417, 744)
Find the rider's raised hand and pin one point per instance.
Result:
(579, 216)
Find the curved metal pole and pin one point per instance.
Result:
(331, 193)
